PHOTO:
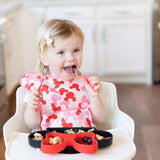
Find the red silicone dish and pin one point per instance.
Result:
(74, 140)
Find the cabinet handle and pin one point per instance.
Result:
(123, 12)
(103, 35)
(158, 25)
(75, 14)
(93, 36)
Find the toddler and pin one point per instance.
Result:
(57, 96)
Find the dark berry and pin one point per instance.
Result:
(89, 141)
(85, 139)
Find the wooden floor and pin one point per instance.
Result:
(142, 103)
(12, 104)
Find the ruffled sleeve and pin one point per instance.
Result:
(30, 80)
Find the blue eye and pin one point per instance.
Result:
(76, 50)
(62, 52)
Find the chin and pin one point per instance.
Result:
(67, 78)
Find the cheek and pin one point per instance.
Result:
(80, 61)
(56, 63)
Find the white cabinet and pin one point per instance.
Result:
(122, 46)
(123, 43)
(13, 51)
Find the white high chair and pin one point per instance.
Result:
(116, 122)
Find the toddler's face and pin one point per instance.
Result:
(66, 54)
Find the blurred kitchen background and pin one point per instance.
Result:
(122, 46)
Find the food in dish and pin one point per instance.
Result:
(80, 131)
(98, 137)
(37, 136)
(55, 140)
(69, 131)
(88, 140)
(91, 130)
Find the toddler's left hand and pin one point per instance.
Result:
(95, 82)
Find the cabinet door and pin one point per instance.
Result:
(89, 64)
(13, 51)
(122, 46)
(32, 19)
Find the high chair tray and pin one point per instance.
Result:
(122, 148)
(104, 138)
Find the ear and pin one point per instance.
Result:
(43, 59)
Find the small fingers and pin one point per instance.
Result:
(97, 87)
(95, 82)
(33, 103)
(34, 98)
(37, 93)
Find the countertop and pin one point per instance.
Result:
(5, 8)
(9, 7)
(86, 2)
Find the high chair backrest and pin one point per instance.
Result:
(109, 97)
(114, 118)
(16, 122)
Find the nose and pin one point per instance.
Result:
(70, 56)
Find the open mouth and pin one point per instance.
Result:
(72, 69)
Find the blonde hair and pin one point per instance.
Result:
(56, 28)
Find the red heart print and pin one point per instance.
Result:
(28, 86)
(65, 124)
(89, 122)
(54, 108)
(57, 83)
(76, 86)
(54, 116)
(78, 112)
(43, 101)
(45, 88)
(62, 91)
(70, 95)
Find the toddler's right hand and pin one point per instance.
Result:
(34, 98)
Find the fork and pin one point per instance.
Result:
(45, 72)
